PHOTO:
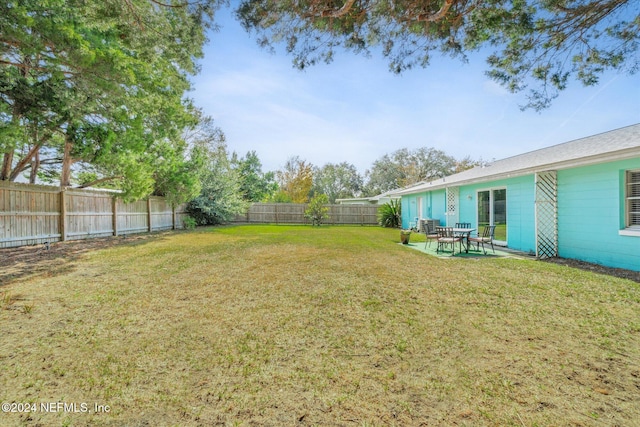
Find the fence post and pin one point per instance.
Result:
(114, 213)
(149, 214)
(173, 216)
(63, 215)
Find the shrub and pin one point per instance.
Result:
(189, 223)
(317, 211)
(389, 214)
(220, 199)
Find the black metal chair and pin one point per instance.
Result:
(486, 237)
(446, 237)
(430, 234)
(463, 225)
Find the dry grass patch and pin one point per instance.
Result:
(262, 325)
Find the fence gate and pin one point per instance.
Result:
(546, 214)
(453, 197)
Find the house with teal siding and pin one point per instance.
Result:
(579, 199)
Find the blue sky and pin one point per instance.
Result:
(355, 110)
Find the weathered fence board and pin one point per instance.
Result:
(28, 216)
(161, 214)
(132, 217)
(35, 214)
(293, 213)
(181, 213)
(88, 214)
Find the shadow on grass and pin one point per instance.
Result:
(572, 263)
(59, 258)
(596, 268)
(430, 249)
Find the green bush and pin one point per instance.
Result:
(389, 214)
(189, 223)
(317, 211)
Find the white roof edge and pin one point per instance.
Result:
(390, 194)
(354, 198)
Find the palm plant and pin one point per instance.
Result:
(389, 214)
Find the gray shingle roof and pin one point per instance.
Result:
(613, 145)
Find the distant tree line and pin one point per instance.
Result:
(299, 181)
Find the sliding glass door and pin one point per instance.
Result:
(492, 210)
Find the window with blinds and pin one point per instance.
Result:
(633, 199)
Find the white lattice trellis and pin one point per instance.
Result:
(546, 214)
(453, 197)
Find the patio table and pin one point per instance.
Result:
(464, 233)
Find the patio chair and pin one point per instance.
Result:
(463, 225)
(486, 237)
(430, 234)
(446, 237)
(463, 235)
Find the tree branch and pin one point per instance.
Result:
(340, 12)
(41, 162)
(23, 164)
(31, 67)
(433, 17)
(101, 180)
(169, 5)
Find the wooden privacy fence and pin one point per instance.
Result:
(293, 213)
(34, 214)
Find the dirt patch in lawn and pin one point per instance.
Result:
(56, 258)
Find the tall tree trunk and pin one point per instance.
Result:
(22, 164)
(6, 166)
(35, 158)
(33, 155)
(67, 161)
(35, 165)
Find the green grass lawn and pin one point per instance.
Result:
(286, 325)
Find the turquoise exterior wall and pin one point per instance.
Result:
(520, 208)
(407, 213)
(591, 213)
(433, 206)
(439, 205)
(521, 227)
